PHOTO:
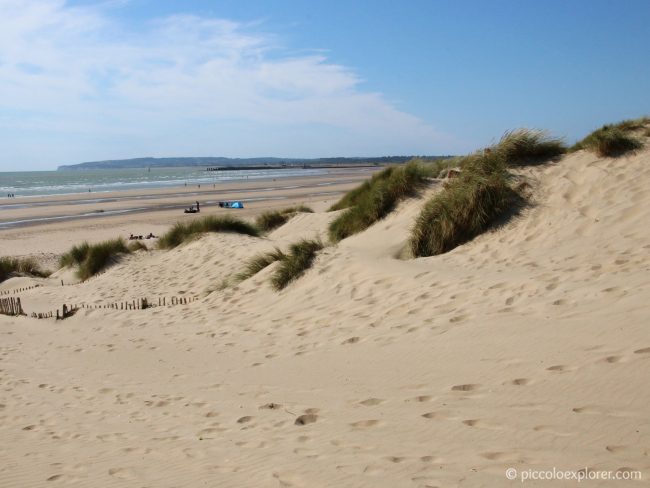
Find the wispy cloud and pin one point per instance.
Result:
(88, 86)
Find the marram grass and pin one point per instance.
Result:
(613, 140)
(258, 263)
(468, 205)
(377, 197)
(184, 231)
(528, 146)
(93, 258)
(273, 219)
(481, 194)
(295, 263)
(137, 246)
(20, 266)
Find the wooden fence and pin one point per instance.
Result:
(11, 306)
(18, 290)
(139, 304)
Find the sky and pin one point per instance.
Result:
(90, 80)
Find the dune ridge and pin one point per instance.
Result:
(526, 347)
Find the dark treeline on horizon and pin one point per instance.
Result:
(217, 162)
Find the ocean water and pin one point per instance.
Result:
(31, 183)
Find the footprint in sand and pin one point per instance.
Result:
(466, 387)
(396, 459)
(615, 449)
(612, 359)
(481, 424)
(305, 419)
(371, 402)
(504, 456)
(287, 479)
(520, 382)
(364, 424)
(123, 473)
(560, 368)
(645, 350)
(587, 410)
(434, 415)
(270, 406)
(420, 399)
(245, 419)
(351, 340)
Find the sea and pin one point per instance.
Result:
(37, 183)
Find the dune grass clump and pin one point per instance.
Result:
(275, 218)
(357, 194)
(20, 267)
(377, 197)
(184, 231)
(293, 264)
(523, 147)
(137, 246)
(75, 256)
(299, 209)
(92, 258)
(97, 256)
(258, 263)
(613, 140)
(466, 207)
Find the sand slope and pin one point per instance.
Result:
(528, 347)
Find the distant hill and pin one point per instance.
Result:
(220, 162)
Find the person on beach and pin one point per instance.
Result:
(198, 207)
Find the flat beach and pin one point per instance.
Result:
(46, 226)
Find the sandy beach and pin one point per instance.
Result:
(526, 348)
(44, 227)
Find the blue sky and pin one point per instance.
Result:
(91, 80)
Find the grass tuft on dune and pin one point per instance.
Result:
(523, 147)
(613, 140)
(258, 263)
(481, 194)
(184, 231)
(137, 246)
(20, 267)
(377, 197)
(75, 256)
(293, 264)
(93, 258)
(273, 219)
(468, 205)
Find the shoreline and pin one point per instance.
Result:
(44, 219)
(45, 227)
(192, 178)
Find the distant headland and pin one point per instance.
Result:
(217, 163)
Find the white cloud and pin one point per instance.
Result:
(92, 88)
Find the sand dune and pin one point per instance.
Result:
(527, 347)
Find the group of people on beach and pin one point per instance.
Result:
(149, 236)
(194, 209)
(11, 195)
